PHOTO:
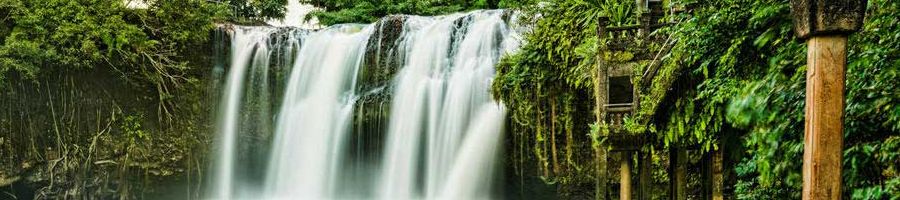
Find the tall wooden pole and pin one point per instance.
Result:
(718, 176)
(644, 174)
(625, 176)
(679, 158)
(600, 95)
(827, 58)
(825, 24)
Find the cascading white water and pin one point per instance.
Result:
(443, 130)
(247, 43)
(313, 119)
(477, 152)
(442, 87)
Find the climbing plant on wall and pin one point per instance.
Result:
(736, 70)
(548, 86)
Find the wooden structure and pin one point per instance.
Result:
(618, 97)
(825, 25)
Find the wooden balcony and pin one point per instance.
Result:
(615, 114)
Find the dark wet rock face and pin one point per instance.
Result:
(383, 56)
(82, 133)
(382, 60)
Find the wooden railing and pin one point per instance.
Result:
(635, 36)
(616, 113)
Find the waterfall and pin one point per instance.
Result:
(312, 122)
(249, 53)
(397, 109)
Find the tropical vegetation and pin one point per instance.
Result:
(728, 69)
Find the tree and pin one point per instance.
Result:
(259, 9)
(367, 11)
(146, 45)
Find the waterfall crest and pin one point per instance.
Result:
(397, 109)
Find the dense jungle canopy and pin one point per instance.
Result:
(731, 75)
(367, 11)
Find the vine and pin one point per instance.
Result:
(548, 86)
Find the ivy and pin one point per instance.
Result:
(548, 86)
(736, 70)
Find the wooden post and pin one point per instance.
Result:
(826, 24)
(644, 173)
(600, 98)
(601, 27)
(625, 176)
(718, 178)
(827, 58)
(678, 170)
(706, 176)
(601, 173)
(713, 177)
(681, 174)
(645, 25)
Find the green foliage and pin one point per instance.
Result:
(556, 60)
(872, 118)
(67, 33)
(619, 12)
(367, 11)
(598, 134)
(559, 51)
(84, 33)
(548, 86)
(133, 129)
(736, 63)
(715, 52)
(150, 47)
(258, 9)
